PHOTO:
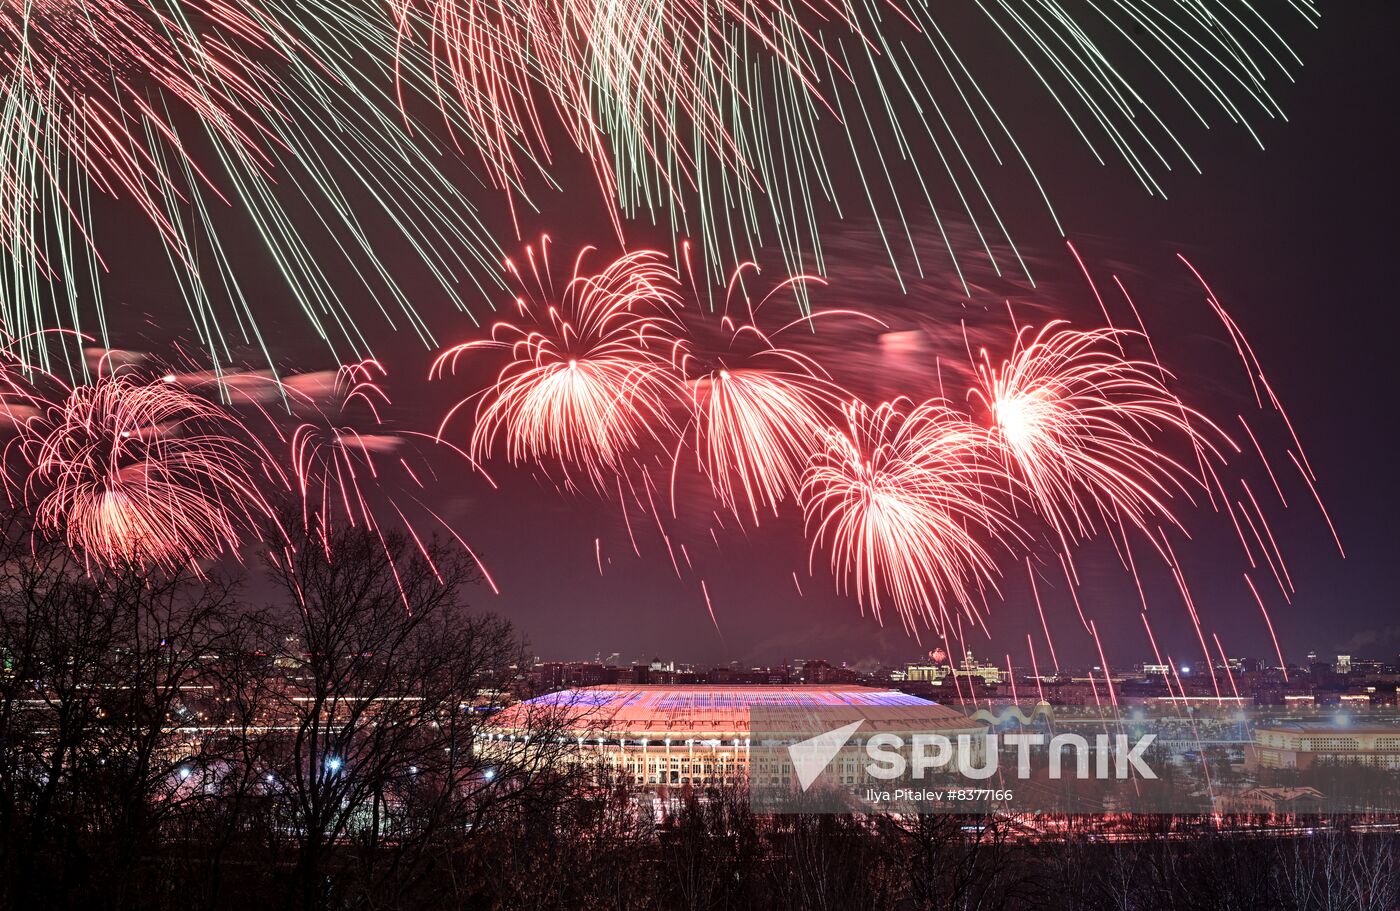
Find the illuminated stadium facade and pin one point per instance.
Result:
(700, 735)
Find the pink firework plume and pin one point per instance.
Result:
(589, 375)
(758, 410)
(1084, 429)
(97, 81)
(909, 510)
(131, 470)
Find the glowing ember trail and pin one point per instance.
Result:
(199, 115)
(903, 501)
(81, 70)
(731, 115)
(758, 410)
(130, 470)
(589, 375)
(1077, 424)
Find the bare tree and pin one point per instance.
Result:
(385, 680)
(99, 713)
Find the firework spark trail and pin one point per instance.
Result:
(709, 606)
(754, 428)
(635, 86)
(1035, 669)
(1264, 460)
(1103, 663)
(196, 112)
(333, 461)
(347, 464)
(899, 498)
(76, 73)
(1075, 422)
(589, 375)
(1273, 636)
(484, 59)
(1040, 609)
(758, 409)
(1225, 662)
(135, 470)
(1255, 371)
(730, 119)
(1156, 652)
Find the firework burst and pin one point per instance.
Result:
(131, 470)
(1082, 428)
(909, 511)
(590, 371)
(758, 410)
(754, 428)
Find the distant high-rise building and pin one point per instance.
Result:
(925, 673)
(971, 667)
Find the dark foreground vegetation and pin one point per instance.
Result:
(306, 738)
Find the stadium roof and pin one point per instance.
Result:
(688, 711)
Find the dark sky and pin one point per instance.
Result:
(1299, 242)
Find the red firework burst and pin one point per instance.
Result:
(909, 510)
(758, 410)
(131, 470)
(590, 372)
(1081, 426)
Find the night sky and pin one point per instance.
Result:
(1298, 240)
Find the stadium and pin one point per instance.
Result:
(700, 735)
